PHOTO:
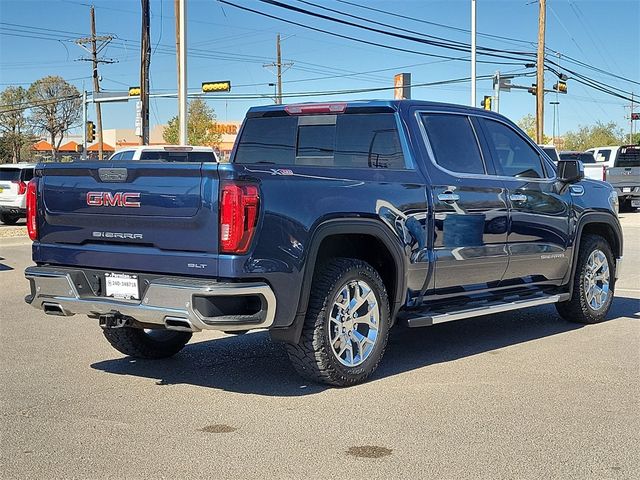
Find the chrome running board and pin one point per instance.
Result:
(493, 307)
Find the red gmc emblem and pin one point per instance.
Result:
(117, 199)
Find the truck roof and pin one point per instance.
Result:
(155, 148)
(18, 165)
(392, 105)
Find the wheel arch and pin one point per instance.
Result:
(365, 239)
(604, 224)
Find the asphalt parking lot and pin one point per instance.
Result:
(512, 395)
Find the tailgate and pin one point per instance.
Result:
(624, 176)
(8, 185)
(626, 168)
(128, 215)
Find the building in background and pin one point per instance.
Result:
(116, 138)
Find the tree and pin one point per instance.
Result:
(55, 108)
(13, 122)
(200, 126)
(528, 124)
(598, 135)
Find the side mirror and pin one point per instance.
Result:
(570, 171)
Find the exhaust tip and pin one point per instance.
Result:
(179, 324)
(53, 309)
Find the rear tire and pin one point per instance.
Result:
(593, 284)
(346, 326)
(9, 219)
(139, 343)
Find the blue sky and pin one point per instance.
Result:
(230, 44)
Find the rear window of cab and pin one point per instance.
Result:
(369, 140)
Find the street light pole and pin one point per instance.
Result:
(473, 53)
(540, 73)
(182, 74)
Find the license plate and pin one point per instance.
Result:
(121, 285)
(635, 203)
(626, 189)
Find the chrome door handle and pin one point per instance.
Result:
(516, 197)
(448, 197)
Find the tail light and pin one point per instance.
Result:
(32, 209)
(22, 187)
(239, 206)
(604, 174)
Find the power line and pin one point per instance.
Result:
(359, 40)
(447, 44)
(442, 25)
(499, 37)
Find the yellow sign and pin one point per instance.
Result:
(226, 128)
(216, 86)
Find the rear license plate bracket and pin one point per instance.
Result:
(122, 286)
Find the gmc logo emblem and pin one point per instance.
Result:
(117, 199)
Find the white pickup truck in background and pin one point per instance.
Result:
(622, 170)
(592, 169)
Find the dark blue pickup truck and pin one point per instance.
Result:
(331, 223)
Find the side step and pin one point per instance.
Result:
(435, 317)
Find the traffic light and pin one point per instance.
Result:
(635, 116)
(91, 131)
(486, 102)
(560, 87)
(533, 90)
(224, 86)
(134, 91)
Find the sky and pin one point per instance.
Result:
(226, 43)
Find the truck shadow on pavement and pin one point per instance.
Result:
(253, 364)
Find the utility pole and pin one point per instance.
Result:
(473, 53)
(278, 66)
(279, 62)
(97, 44)
(84, 123)
(540, 72)
(496, 91)
(182, 72)
(145, 59)
(631, 121)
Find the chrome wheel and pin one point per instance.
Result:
(354, 322)
(596, 280)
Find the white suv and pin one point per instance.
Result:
(166, 153)
(13, 191)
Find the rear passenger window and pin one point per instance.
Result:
(513, 156)
(27, 174)
(128, 155)
(368, 141)
(453, 142)
(268, 140)
(350, 140)
(603, 155)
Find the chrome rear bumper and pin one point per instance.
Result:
(176, 303)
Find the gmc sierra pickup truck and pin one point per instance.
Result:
(331, 223)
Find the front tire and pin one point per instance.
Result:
(593, 284)
(346, 326)
(9, 219)
(151, 344)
